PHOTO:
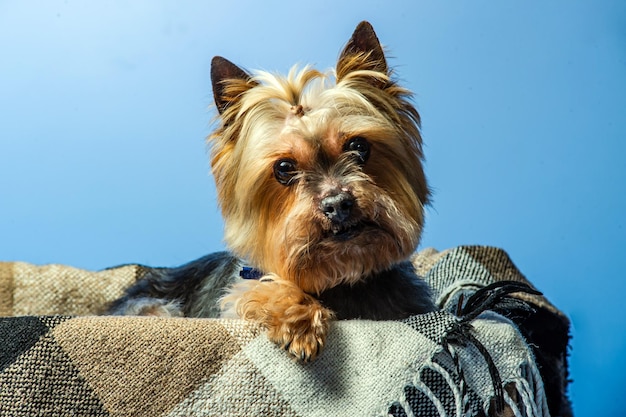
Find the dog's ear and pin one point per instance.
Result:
(362, 52)
(229, 82)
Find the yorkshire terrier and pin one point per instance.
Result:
(320, 182)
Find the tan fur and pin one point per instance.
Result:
(295, 320)
(308, 116)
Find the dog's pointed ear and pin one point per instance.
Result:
(362, 52)
(229, 82)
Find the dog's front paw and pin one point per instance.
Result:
(294, 320)
(303, 330)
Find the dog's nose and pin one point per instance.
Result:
(337, 207)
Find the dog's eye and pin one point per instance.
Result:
(359, 146)
(285, 171)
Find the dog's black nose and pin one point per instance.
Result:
(337, 207)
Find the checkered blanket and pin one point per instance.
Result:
(58, 358)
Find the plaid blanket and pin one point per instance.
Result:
(57, 357)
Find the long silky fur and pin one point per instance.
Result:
(248, 142)
(316, 269)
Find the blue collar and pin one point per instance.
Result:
(248, 272)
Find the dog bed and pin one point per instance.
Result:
(495, 347)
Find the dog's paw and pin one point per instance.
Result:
(303, 331)
(294, 320)
(147, 306)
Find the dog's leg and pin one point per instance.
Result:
(294, 320)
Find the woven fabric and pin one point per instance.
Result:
(57, 359)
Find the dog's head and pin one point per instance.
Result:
(319, 175)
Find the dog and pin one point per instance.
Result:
(320, 181)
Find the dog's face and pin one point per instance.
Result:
(319, 176)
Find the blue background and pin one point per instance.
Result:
(104, 107)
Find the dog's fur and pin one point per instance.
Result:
(321, 186)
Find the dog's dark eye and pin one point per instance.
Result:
(359, 146)
(285, 171)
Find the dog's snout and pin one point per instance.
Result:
(337, 207)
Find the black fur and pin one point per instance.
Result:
(390, 295)
(195, 289)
